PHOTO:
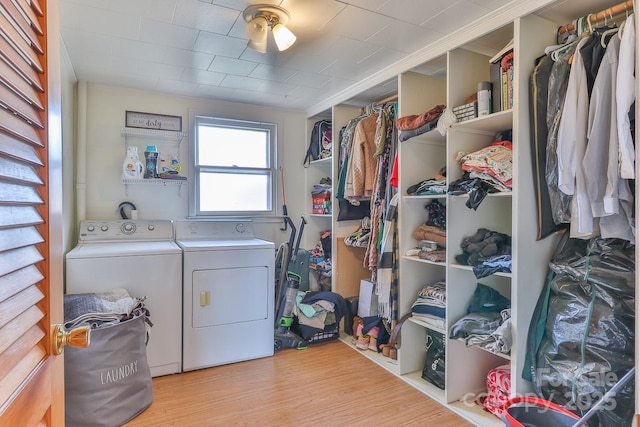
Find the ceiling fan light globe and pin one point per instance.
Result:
(258, 46)
(283, 36)
(257, 29)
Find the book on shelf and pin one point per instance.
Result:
(501, 74)
(498, 56)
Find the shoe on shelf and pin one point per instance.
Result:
(373, 338)
(363, 340)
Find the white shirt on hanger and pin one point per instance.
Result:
(572, 143)
(625, 95)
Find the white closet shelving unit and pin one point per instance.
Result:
(459, 68)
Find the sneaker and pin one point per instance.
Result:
(363, 340)
(373, 338)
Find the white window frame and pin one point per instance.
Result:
(270, 171)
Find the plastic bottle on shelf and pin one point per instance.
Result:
(132, 168)
(175, 164)
(484, 98)
(151, 159)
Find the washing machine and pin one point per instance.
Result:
(142, 257)
(228, 293)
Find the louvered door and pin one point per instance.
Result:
(31, 390)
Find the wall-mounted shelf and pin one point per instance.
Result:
(154, 182)
(172, 137)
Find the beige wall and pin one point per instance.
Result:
(105, 150)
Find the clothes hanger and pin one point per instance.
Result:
(626, 14)
(605, 33)
(582, 32)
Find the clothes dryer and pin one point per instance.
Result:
(228, 293)
(141, 257)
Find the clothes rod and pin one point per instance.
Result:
(625, 6)
(387, 99)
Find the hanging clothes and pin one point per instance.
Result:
(538, 88)
(383, 189)
(558, 81)
(361, 168)
(594, 147)
(625, 97)
(572, 144)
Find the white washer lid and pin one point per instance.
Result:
(224, 245)
(119, 249)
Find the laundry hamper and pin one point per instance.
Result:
(108, 383)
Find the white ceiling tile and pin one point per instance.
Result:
(159, 10)
(381, 58)
(275, 88)
(100, 63)
(367, 4)
(187, 58)
(449, 20)
(336, 84)
(206, 17)
(78, 40)
(240, 82)
(95, 20)
(412, 11)
(231, 4)
(167, 34)
(219, 45)
(404, 37)
(346, 49)
(311, 63)
(269, 72)
(222, 64)
(491, 4)
(216, 92)
(356, 23)
(135, 49)
(308, 79)
(177, 86)
(347, 70)
(160, 71)
(308, 93)
(311, 16)
(202, 77)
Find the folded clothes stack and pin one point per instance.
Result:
(430, 306)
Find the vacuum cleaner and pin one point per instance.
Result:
(287, 286)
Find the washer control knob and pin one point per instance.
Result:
(91, 228)
(240, 227)
(151, 227)
(128, 228)
(104, 227)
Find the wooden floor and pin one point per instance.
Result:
(325, 385)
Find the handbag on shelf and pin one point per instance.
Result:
(348, 211)
(433, 370)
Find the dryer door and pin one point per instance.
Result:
(230, 295)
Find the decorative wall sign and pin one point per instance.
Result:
(135, 119)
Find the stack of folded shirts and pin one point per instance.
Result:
(431, 304)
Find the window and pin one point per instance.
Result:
(234, 167)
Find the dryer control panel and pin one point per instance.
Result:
(214, 230)
(123, 230)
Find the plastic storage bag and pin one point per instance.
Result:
(581, 338)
